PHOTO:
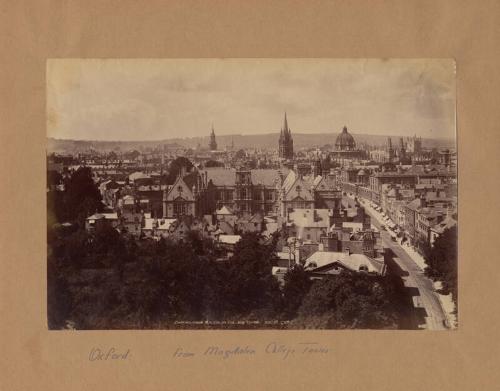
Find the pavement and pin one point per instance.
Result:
(426, 297)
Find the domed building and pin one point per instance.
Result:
(345, 141)
(345, 147)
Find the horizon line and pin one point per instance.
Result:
(251, 134)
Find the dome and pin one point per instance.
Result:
(345, 142)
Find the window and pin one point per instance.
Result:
(180, 208)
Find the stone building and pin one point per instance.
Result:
(345, 147)
(212, 144)
(285, 142)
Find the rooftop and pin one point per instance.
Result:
(351, 261)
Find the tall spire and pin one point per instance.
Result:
(285, 141)
(212, 144)
(285, 125)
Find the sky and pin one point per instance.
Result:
(156, 99)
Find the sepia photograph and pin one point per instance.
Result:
(251, 194)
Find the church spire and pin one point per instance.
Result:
(212, 144)
(285, 125)
(285, 141)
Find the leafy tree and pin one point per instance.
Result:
(213, 163)
(240, 154)
(176, 166)
(53, 178)
(132, 155)
(442, 263)
(59, 299)
(297, 285)
(251, 285)
(81, 197)
(347, 300)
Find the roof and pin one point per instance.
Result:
(221, 176)
(128, 199)
(414, 205)
(266, 177)
(319, 218)
(446, 223)
(165, 224)
(306, 183)
(138, 175)
(278, 270)
(106, 216)
(355, 226)
(191, 179)
(227, 177)
(283, 255)
(226, 228)
(326, 182)
(351, 261)
(224, 211)
(229, 239)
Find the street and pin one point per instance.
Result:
(426, 297)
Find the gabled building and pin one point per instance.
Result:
(296, 192)
(308, 224)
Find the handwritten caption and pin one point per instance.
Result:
(283, 351)
(276, 349)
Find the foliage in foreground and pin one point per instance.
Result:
(108, 281)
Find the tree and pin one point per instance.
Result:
(54, 178)
(441, 260)
(347, 301)
(297, 285)
(59, 298)
(81, 197)
(176, 167)
(213, 163)
(132, 155)
(240, 154)
(251, 285)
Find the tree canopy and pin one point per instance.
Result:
(176, 166)
(442, 263)
(348, 301)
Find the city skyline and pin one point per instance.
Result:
(149, 100)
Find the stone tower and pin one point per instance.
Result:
(285, 142)
(212, 144)
(390, 150)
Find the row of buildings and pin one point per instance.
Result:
(300, 198)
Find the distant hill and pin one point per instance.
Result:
(269, 140)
